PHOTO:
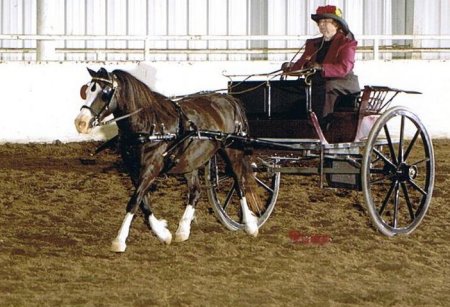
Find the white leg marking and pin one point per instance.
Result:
(249, 219)
(118, 244)
(184, 227)
(159, 227)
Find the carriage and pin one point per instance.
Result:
(384, 152)
(248, 138)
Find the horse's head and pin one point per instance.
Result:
(99, 100)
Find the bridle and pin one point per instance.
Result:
(107, 95)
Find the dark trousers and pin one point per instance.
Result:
(326, 91)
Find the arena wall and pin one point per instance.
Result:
(40, 101)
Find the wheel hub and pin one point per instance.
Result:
(406, 172)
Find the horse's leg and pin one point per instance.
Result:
(235, 160)
(159, 227)
(248, 217)
(119, 243)
(184, 227)
(145, 207)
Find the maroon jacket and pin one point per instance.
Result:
(338, 62)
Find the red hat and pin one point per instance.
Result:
(332, 12)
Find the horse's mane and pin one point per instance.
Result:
(134, 94)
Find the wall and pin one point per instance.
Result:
(40, 101)
(208, 17)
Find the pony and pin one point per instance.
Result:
(157, 136)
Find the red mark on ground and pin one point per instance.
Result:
(307, 239)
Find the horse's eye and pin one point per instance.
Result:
(94, 87)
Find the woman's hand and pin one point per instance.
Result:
(314, 65)
(286, 66)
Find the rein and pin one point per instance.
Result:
(272, 75)
(114, 120)
(196, 94)
(269, 76)
(114, 86)
(186, 128)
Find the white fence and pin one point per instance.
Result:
(374, 47)
(233, 30)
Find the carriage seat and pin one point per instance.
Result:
(347, 103)
(341, 125)
(354, 115)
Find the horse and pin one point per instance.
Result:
(158, 136)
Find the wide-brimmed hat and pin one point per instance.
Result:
(332, 12)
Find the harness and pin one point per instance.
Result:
(186, 128)
(107, 96)
(182, 133)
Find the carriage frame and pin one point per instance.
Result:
(395, 171)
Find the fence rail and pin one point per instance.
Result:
(369, 44)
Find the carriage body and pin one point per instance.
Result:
(365, 147)
(278, 109)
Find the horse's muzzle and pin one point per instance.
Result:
(83, 123)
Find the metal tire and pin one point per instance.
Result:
(224, 199)
(398, 173)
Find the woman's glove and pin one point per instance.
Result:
(286, 66)
(314, 65)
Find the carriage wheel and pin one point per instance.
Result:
(225, 201)
(397, 173)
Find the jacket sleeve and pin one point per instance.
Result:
(343, 63)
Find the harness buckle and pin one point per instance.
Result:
(95, 122)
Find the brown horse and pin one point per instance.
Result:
(159, 136)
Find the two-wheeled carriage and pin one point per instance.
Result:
(384, 152)
(363, 145)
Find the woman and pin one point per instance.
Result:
(333, 55)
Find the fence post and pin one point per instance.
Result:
(45, 49)
(376, 49)
(147, 49)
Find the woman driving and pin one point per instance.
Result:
(333, 56)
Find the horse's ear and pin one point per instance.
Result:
(103, 73)
(83, 90)
(91, 72)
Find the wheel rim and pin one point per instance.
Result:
(398, 172)
(224, 199)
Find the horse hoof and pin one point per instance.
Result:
(251, 227)
(181, 236)
(118, 246)
(253, 231)
(159, 228)
(183, 231)
(167, 239)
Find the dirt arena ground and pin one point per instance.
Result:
(58, 217)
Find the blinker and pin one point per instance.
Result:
(107, 94)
